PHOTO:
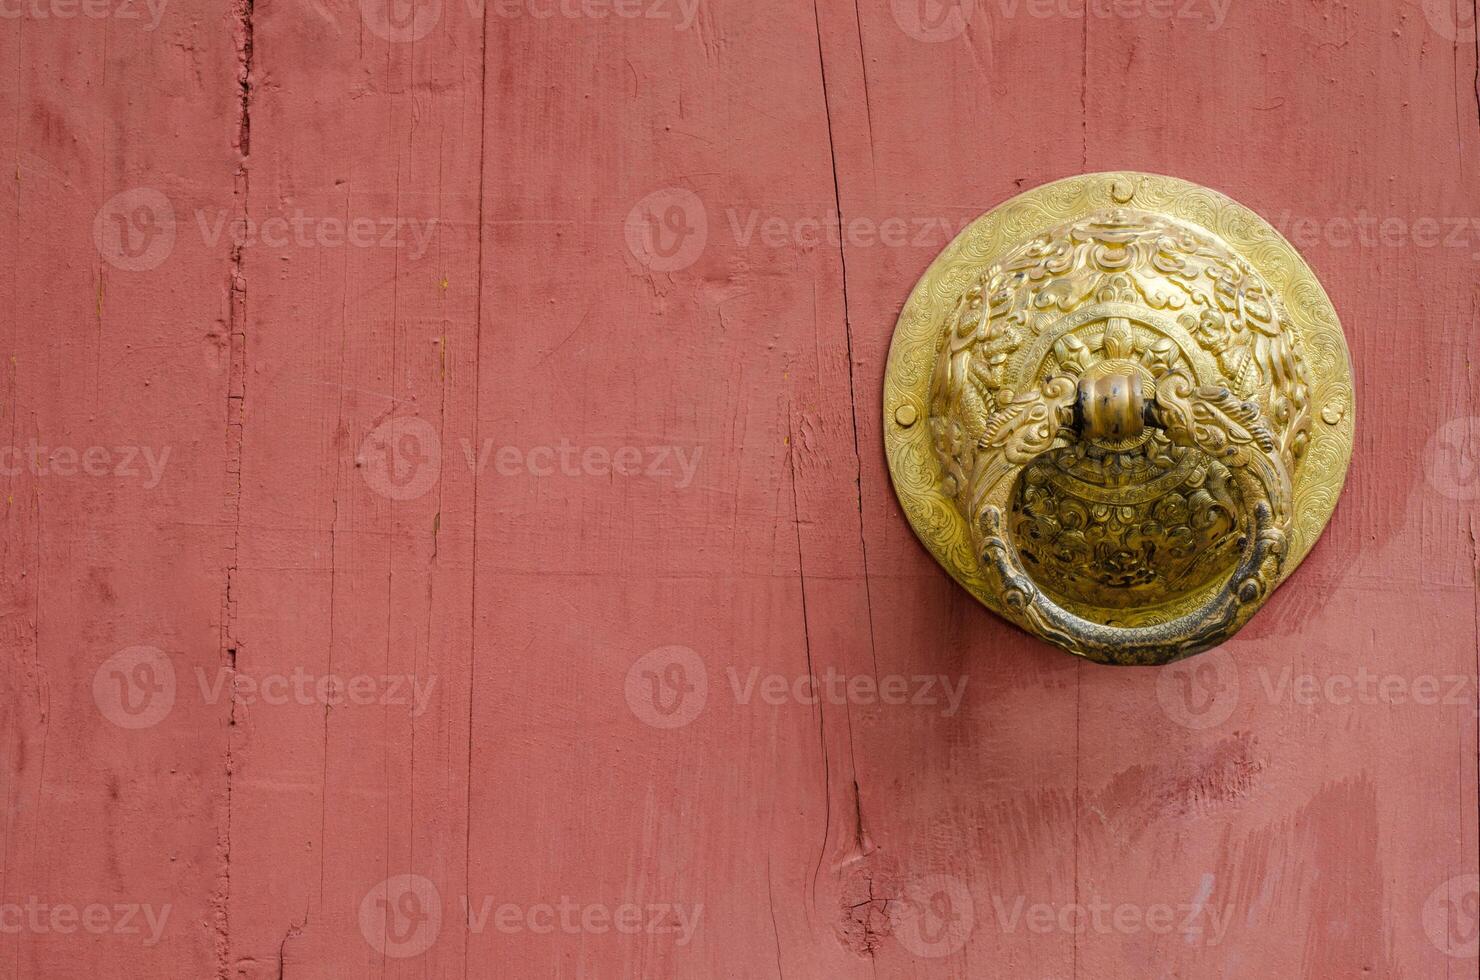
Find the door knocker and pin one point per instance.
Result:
(1118, 409)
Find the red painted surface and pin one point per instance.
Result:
(571, 741)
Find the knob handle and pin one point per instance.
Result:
(1211, 420)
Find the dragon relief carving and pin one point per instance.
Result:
(1141, 522)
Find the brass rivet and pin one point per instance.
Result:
(906, 415)
(1122, 190)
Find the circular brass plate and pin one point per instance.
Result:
(921, 329)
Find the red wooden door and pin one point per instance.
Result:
(447, 534)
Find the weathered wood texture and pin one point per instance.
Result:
(519, 376)
(102, 361)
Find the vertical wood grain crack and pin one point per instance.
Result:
(334, 549)
(477, 435)
(1084, 96)
(771, 908)
(796, 523)
(294, 929)
(859, 834)
(1473, 516)
(235, 400)
(1475, 626)
(1075, 807)
(868, 105)
(848, 341)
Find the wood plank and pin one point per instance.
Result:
(609, 327)
(115, 344)
(350, 792)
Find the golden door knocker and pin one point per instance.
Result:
(1118, 409)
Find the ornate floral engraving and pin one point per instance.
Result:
(1188, 517)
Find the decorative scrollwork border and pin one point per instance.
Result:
(918, 333)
